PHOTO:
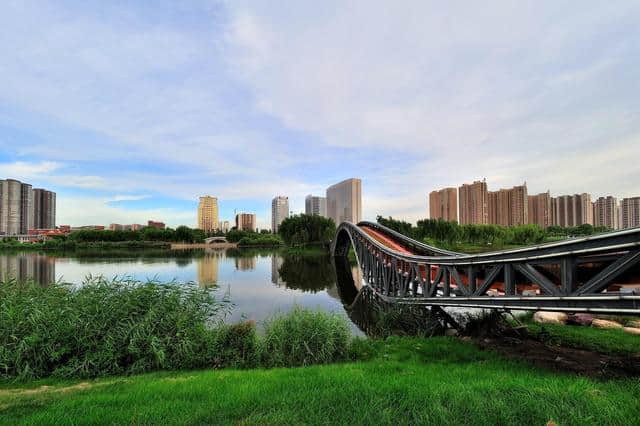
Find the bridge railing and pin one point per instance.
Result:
(571, 275)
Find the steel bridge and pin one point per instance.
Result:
(599, 273)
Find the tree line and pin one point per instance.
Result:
(180, 234)
(450, 232)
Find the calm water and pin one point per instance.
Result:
(259, 283)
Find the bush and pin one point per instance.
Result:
(304, 337)
(105, 327)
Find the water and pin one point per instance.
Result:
(258, 282)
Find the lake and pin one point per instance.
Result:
(259, 283)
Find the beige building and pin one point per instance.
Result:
(572, 210)
(539, 207)
(508, 207)
(443, 204)
(605, 212)
(279, 212)
(246, 222)
(344, 201)
(473, 203)
(208, 214)
(630, 212)
(315, 205)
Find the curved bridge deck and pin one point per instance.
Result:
(593, 274)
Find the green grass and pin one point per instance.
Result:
(404, 381)
(610, 341)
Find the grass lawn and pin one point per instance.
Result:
(401, 381)
(609, 341)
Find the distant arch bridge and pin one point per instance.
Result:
(216, 240)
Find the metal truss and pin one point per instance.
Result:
(575, 275)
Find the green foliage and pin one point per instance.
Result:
(259, 240)
(306, 229)
(612, 341)
(104, 327)
(304, 337)
(453, 236)
(404, 228)
(149, 233)
(399, 381)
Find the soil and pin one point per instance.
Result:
(564, 359)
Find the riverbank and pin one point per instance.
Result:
(214, 246)
(73, 245)
(397, 381)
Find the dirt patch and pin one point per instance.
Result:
(560, 358)
(51, 389)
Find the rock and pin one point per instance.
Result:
(451, 332)
(632, 330)
(580, 319)
(544, 317)
(600, 323)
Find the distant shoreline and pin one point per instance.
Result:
(188, 246)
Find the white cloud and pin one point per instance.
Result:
(22, 170)
(79, 211)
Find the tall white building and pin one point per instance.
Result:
(315, 206)
(344, 201)
(279, 211)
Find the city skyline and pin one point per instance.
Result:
(132, 114)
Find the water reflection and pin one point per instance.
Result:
(309, 274)
(208, 268)
(28, 266)
(259, 282)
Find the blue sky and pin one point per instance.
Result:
(131, 111)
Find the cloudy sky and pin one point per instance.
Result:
(131, 110)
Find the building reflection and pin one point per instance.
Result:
(276, 264)
(28, 266)
(245, 263)
(208, 268)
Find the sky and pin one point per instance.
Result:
(132, 110)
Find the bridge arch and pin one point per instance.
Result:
(579, 275)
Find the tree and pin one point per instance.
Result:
(306, 229)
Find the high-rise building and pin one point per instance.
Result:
(208, 213)
(246, 222)
(539, 207)
(315, 205)
(630, 212)
(508, 207)
(572, 210)
(605, 211)
(443, 204)
(279, 211)
(473, 203)
(344, 201)
(22, 208)
(44, 209)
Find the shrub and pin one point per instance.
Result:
(235, 346)
(304, 337)
(104, 327)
